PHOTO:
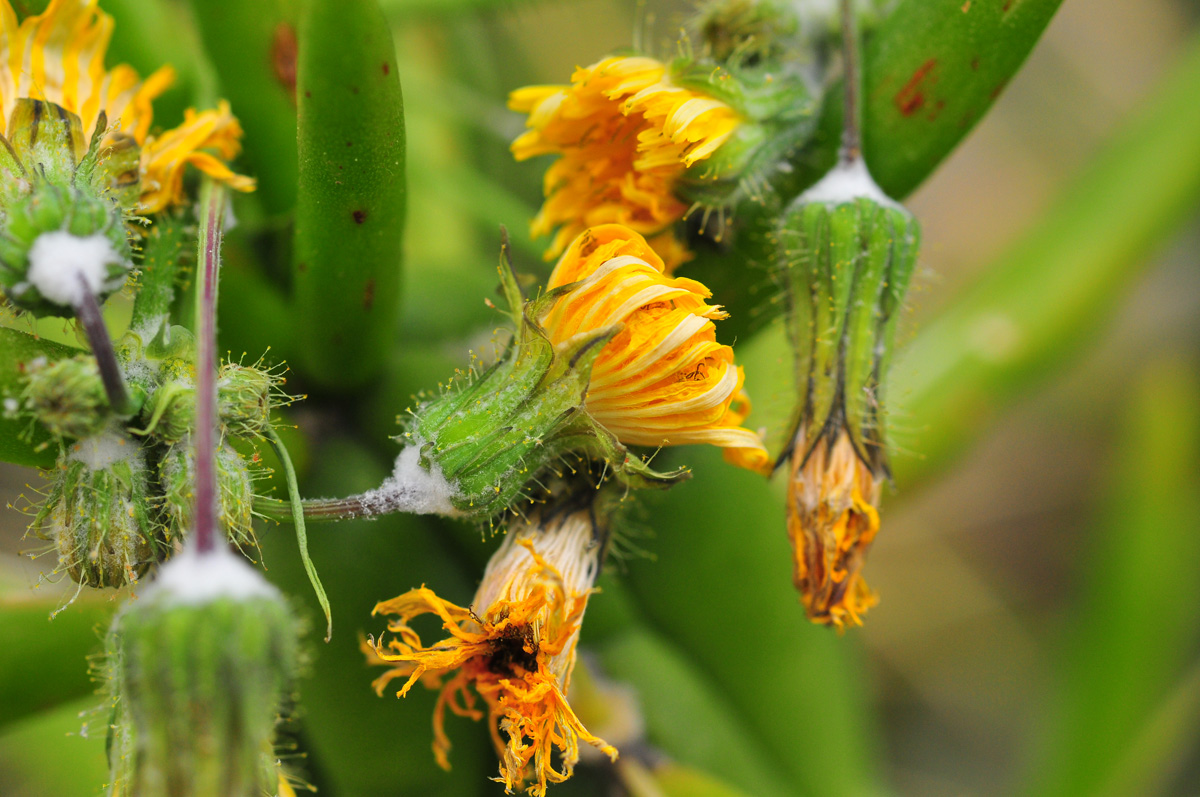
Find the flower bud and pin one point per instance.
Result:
(235, 490)
(199, 667)
(62, 231)
(98, 512)
(847, 253)
(67, 396)
(244, 399)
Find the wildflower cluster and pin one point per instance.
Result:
(614, 358)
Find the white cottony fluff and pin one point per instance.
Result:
(412, 489)
(58, 259)
(105, 449)
(192, 578)
(846, 182)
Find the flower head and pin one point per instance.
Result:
(58, 57)
(624, 134)
(514, 647)
(832, 518)
(662, 379)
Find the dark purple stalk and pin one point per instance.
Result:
(212, 203)
(92, 323)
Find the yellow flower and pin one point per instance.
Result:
(624, 134)
(514, 647)
(662, 379)
(58, 56)
(832, 518)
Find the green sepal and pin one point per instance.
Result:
(100, 519)
(235, 495)
(845, 268)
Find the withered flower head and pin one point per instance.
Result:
(514, 647)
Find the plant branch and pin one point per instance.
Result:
(92, 322)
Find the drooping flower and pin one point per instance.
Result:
(846, 254)
(832, 518)
(58, 57)
(513, 647)
(624, 134)
(663, 379)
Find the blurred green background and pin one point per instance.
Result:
(1039, 565)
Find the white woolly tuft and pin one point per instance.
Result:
(845, 183)
(58, 259)
(104, 450)
(192, 578)
(412, 489)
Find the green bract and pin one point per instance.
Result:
(98, 512)
(845, 264)
(491, 438)
(55, 185)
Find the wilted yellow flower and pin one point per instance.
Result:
(514, 647)
(58, 56)
(832, 518)
(662, 379)
(624, 134)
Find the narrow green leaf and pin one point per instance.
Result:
(350, 216)
(21, 441)
(1042, 299)
(1135, 626)
(298, 526)
(253, 47)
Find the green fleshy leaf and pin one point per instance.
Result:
(931, 71)
(253, 47)
(350, 216)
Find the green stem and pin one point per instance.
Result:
(318, 510)
(297, 517)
